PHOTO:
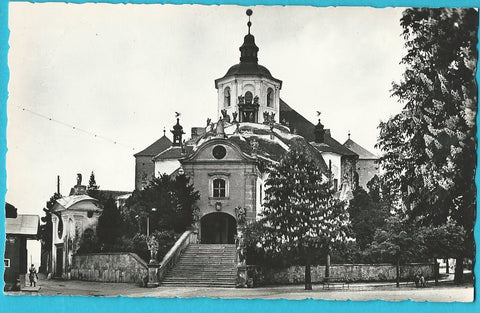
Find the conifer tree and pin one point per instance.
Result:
(300, 213)
(92, 188)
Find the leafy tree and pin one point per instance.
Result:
(88, 242)
(45, 230)
(173, 200)
(395, 243)
(109, 228)
(429, 147)
(300, 213)
(366, 216)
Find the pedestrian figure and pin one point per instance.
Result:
(33, 276)
(422, 282)
(416, 279)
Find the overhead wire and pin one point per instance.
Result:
(76, 128)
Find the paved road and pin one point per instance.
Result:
(359, 292)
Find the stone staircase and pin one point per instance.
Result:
(204, 265)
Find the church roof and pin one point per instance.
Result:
(113, 193)
(271, 147)
(155, 148)
(248, 60)
(304, 127)
(331, 145)
(67, 202)
(243, 68)
(23, 224)
(362, 152)
(174, 152)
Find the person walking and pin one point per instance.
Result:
(33, 276)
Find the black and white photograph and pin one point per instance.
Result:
(262, 152)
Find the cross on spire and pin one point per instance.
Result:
(249, 13)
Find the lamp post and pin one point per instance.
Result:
(148, 220)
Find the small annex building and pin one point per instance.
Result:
(72, 216)
(18, 229)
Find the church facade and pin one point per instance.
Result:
(226, 160)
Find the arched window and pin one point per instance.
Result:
(248, 97)
(226, 97)
(219, 188)
(270, 97)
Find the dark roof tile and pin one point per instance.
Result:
(362, 152)
(155, 148)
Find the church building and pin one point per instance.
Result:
(226, 160)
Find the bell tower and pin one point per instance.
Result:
(248, 90)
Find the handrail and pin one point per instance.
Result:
(172, 256)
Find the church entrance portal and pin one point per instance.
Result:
(218, 228)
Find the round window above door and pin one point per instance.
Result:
(219, 152)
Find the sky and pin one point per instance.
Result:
(111, 77)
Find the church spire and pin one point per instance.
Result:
(249, 50)
(177, 132)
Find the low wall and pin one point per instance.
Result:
(352, 272)
(121, 267)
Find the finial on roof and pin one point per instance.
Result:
(349, 134)
(164, 130)
(249, 13)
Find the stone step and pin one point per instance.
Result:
(192, 274)
(205, 265)
(193, 284)
(203, 280)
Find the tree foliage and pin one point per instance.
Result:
(429, 147)
(368, 211)
(46, 228)
(173, 200)
(300, 213)
(110, 227)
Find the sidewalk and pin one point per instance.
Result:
(446, 291)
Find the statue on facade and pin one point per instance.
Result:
(209, 120)
(79, 179)
(255, 100)
(254, 145)
(241, 214)
(241, 100)
(266, 117)
(272, 117)
(234, 115)
(226, 117)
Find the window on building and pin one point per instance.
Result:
(270, 97)
(219, 188)
(226, 97)
(6, 262)
(248, 97)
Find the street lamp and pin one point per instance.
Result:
(148, 220)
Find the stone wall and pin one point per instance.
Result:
(352, 272)
(112, 267)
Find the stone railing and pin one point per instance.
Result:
(172, 256)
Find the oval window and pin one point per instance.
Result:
(219, 152)
(60, 228)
